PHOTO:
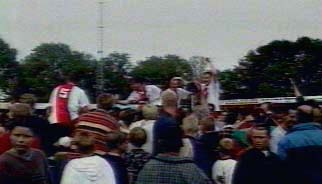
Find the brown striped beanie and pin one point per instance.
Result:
(99, 123)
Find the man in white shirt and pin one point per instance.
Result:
(279, 132)
(143, 94)
(175, 87)
(67, 100)
(211, 87)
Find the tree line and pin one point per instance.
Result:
(262, 72)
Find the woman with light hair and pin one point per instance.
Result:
(190, 129)
(150, 114)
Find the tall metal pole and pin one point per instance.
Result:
(100, 49)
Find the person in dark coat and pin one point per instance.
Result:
(206, 145)
(301, 149)
(258, 164)
(117, 144)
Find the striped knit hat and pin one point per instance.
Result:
(98, 123)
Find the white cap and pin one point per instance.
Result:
(65, 141)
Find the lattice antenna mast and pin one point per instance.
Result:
(100, 49)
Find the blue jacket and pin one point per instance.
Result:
(301, 149)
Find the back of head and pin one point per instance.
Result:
(150, 112)
(137, 137)
(304, 114)
(226, 144)
(18, 110)
(128, 116)
(266, 106)
(207, 124)
(201, 111)
(190, 125)
(115, 139)
(105, 101)
(168, 136)
(28, 98)
(317, 115)
(70, 76)
(169, 99)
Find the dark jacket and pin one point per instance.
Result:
(204, 153)
(255, 167)
(30, 169)
(301, 149)
(119, 167)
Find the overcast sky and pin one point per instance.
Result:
(224, 30)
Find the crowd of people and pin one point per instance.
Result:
(158, 141)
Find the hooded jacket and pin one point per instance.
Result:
(88, 170)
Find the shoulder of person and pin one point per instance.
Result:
(38, 152)
(152, 86)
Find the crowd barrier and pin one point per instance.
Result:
(239, 102)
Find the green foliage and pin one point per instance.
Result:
(265, 72)
(41, 70)
(116, 67)
(159, 70)
(8, 68)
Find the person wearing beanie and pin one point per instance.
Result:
(89, 168)
(99, 122)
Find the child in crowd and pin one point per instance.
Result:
(136, 157)
(23, 164)
(222, 170)
(117, 145)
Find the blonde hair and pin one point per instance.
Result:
(150, 112)
(169, 99)
(190, 124)
(201, 111)
(137, 136)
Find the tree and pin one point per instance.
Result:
(198, 65)
(116, 68)
(265, 72)
(159, 70)
(9, 68)
(42, 68)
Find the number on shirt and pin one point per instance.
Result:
(63, 93)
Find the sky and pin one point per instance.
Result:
(223, 30)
